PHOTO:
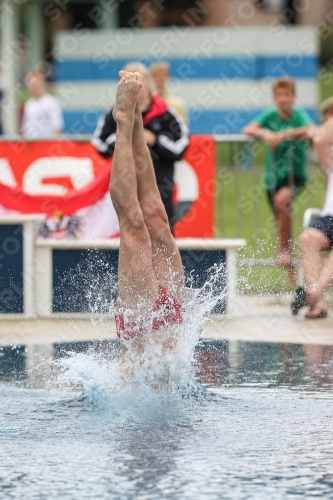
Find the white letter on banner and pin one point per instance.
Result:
(79, 170)
(187, 181)
(6, 173)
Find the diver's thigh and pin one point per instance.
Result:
(137, 283)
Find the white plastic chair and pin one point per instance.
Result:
(309, 214)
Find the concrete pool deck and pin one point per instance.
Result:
(255, 318)
(269, 319)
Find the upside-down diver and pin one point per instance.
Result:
(150, 273)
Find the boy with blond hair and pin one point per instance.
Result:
(285, 170)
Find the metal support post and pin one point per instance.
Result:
(9, 65)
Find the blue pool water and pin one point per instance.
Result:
(262, 429)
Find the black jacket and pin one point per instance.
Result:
(172, 139)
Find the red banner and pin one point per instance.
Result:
(68, 180)
(196, 207)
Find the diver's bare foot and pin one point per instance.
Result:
(126, 95)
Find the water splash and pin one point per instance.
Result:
(151, 367)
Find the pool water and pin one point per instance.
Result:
(262, 429)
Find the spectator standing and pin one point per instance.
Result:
(160, 73)
(42, 113)
(285, 171)
(166, 135)
(318, 237)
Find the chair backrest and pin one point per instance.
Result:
(309, 214)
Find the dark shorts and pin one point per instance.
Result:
(295, 187)
(325, 225)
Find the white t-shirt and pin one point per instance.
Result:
(42, 117)
(328, 205)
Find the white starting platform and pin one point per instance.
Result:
(45, 288)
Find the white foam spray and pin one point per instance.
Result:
(159, 370)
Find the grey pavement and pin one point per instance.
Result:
(252, 317)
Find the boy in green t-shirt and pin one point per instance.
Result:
(285, 170)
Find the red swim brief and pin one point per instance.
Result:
(167, 312)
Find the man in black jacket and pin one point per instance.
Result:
(165, 132)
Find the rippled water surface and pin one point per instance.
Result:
(263, 429)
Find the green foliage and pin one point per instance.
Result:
(262, 280)
(325, 78)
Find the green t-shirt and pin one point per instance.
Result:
(288, 160)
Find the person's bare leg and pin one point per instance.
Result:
(282, 203)
(138, 286)
(326, 276)
(313, 243)
(166, 257)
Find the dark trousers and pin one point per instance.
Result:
(164, 179)
(166, 195)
